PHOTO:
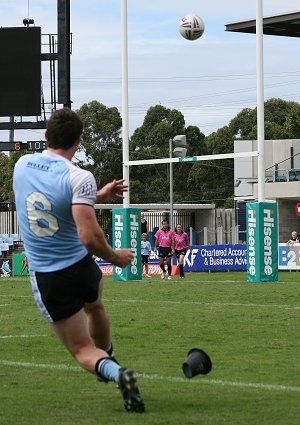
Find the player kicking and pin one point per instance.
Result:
(55, 206)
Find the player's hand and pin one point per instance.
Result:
(114, 189)
(122, 257)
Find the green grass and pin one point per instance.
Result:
(250, 330)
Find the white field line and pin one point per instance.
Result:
(199, 381)
(21, 336)
(16, 296)
(4, 305)
(286, 306)
(140, 301)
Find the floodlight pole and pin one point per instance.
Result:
(260, 102)
(125, 142)
(171, 184)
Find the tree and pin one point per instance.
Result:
(101, 142)
(213, 180)
(7, 164)
(282, 121)
(151, 140)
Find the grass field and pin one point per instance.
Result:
(251, 332)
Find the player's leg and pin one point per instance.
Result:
(169, 266)
(161, 262)
(73, 333)
(180, 265)
(98, 322)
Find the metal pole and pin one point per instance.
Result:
(125, 145)
(260, 101)
(11, 131)
(171, 184)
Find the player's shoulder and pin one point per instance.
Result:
(23, 159)
(80, 176)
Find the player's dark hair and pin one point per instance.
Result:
(63, 129)
(165, 221)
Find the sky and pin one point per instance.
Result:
(209, 80)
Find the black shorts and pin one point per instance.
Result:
(179, 252)
(62, 293)
(164, 252)
(145, 259)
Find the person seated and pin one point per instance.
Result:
(294, 238)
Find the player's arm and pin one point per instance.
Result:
(156, 242)
(92, 236)
(188, 244)
(114, 189)
(173, 242)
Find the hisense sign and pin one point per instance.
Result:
(262, 242)
(127, 234)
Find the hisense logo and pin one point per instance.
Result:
(134, 225)
(119, 227)
(268, 229)
(251, 241)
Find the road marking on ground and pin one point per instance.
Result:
(21, 336)
(257, 386)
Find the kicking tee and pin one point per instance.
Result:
(46, 185)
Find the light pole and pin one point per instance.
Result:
(179, 152)
(171, 183)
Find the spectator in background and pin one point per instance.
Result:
(294, 238)
(181, 242)
(145, 252)
(144, 224)
(164, 242)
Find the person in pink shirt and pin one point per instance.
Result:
(165, 247)
(181, 242)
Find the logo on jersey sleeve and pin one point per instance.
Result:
(87, 189)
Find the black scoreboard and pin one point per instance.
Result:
(37, 145)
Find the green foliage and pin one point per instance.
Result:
(7, 164)
(101, 141)
(282, 121)
(193, 182)
(151, 140)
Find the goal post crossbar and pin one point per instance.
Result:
(191, 158)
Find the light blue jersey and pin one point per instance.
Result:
(46, 185)
(145, 248)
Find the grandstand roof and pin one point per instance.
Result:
(287, 25)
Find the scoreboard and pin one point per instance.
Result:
(37, 145)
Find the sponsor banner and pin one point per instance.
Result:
(289, 256)
(199, 258)
(6, 269)
(20, 266)
(216, 257)
(219, 257)
(127, 234)
(262, 242)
